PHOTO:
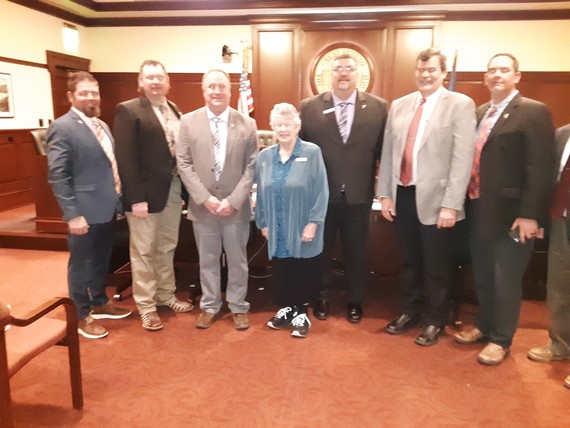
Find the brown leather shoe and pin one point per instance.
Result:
(89, 328)
(241, 321)
(205, 320)
(468, 337)
(493, 354)
(544, 354)
(151, 321)
(109, 311)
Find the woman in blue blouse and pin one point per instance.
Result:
(292, 198)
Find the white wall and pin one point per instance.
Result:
(32, 97)
(181, 49)
(538, 45)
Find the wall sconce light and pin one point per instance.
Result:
(227, 54)
(70, 37)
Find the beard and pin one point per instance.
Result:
(92, 111)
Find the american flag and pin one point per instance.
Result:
(245, 104)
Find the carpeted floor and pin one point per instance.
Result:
(341, 375)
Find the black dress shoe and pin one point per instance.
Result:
(354, 312)
(401, 324)
(428, 336)
(321, 309)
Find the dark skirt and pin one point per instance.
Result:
(296, 281)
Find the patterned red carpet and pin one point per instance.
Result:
(341, 375)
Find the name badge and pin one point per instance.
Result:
(301, 160)
(329, 110)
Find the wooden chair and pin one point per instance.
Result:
(22, 339)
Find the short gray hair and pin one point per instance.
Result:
(285, 109)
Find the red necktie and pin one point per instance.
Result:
(482, 135)
(406, 167)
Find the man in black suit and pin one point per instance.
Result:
(348, 125)
(146, 129)
(558, 284)
(83, 175)
(510, 184)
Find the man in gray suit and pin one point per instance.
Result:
(84, 178)
(216, 154)
(425, 169)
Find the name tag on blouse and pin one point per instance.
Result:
(301, 160)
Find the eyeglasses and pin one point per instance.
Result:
(348, 69)
(87, 94)
(152, 77)
(430, 70)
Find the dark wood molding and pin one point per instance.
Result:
(58, 60)
(249, 19)
(199, 5)
(53, 11)
(22, 62)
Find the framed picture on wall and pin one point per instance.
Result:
(6, 96)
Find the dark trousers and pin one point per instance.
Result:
(351, 222)
(558, 288)
(427, 262)
(89, 257)
(296, 280)
(498, 265)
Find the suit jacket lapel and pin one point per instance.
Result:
(510, 109)
(232, 119)
(436, 113)
(359, 113)
(328, 103)
(150, 116)
(409, 109)
(560, 144)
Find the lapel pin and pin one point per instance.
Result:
(80, 121)
(363, 106)
(506, 115)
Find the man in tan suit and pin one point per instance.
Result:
(426, 163)
(216, 154)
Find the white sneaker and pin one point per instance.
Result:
(301, 325)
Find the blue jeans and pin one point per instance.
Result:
(88, 265)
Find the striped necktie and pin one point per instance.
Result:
(343, 121)
(217, 148)
(107, 147)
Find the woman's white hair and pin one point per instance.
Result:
(286, 110)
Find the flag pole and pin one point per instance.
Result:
(453, 78)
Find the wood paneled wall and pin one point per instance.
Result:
(284, 57)
(17, 151)
(553, 89)
(186, 91)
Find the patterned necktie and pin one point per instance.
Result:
(480, 140)
(217, 148)
(171, 127)
(107, 147)
(343, 121)
(406, 167)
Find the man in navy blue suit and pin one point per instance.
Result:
(84, 178)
